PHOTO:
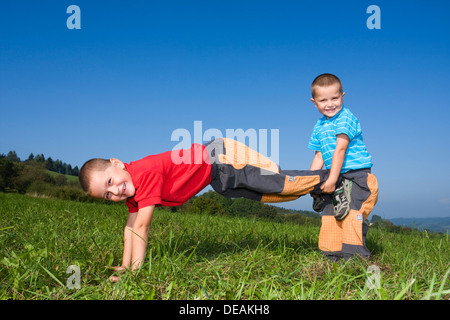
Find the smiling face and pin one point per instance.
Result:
(328, 99)
(113, 183)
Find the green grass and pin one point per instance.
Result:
(202, 257)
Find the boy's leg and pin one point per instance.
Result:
(239, 171)
(330, 236)
(364, 196)
(216, 148)
(347, 237)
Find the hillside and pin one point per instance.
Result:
(431, 224)
(68, 177)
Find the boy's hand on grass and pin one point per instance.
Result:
(115, 279)
(119, 268)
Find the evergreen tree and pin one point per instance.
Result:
(12, 155)
(40, 158)
(7, 173)
(64, 168)
(75, 171)
(50, 164)
(58, 166)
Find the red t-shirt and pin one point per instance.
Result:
(170, 178)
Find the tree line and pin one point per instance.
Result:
(33, 176)
(212, 203)
(53, 165)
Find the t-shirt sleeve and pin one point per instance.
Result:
(132, 205)
(150, 189)
(347, 125)
(314, 143)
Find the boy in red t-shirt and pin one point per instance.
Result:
(173, 177)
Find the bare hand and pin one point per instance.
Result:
(115, 279)
(328, 187)
(118, 269)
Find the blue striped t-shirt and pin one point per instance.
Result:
(324, 135)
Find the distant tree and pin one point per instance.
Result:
(12, 155)
(376, 219)
(204, 205)
(64, 168)
(58, 166)
(30, 157)
(223, 201)
(40, 158)
(7, 173)
(267, 212)
(75, 171)
(245, 207)
(26, 175)
(50, 164)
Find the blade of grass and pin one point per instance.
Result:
(52, 275)
(400, 295)
(441, 288)
(428, 295)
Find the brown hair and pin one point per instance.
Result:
(325, 80)
(84, 175)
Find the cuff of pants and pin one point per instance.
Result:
(344, 238)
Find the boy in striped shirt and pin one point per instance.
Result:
(351, 190)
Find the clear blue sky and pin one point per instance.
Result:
(138, 70)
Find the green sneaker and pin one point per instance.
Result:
(341, 199)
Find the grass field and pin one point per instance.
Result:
(203, 257)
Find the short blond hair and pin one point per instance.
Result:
(325, 80)
(84, 176)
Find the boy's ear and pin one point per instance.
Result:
(314, 101)
(343, 94)
(117, 163)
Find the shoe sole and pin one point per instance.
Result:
(347, 191)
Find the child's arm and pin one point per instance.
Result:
(342, 141)
(127, 233)
(139, 236)
(317, 162)
(135, 239)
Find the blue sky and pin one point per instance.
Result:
(138, 70)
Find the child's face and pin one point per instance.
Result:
(112, 184)
(328, 100)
